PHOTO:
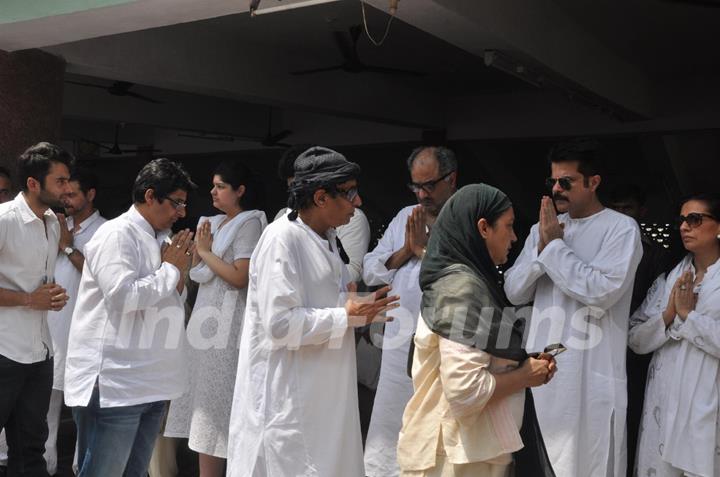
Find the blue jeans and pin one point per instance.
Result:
(116, 441)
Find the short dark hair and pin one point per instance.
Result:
(447, 162)
(236, 174)
(584, 151)
(36, 161)
(622, 192)
(710, 199)
(4, 172)
(286, 164)
(86, 178)
(163, 176)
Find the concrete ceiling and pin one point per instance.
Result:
(643, 56)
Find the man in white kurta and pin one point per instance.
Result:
(580, 278)
(396, 261)
(354, 236)
(295, 409)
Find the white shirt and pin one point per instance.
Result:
(28, 249)
(68, 277)
(295, 406)
(680, 427)
(582, 410)
(128, 327)
(355, 239)
(394, 388)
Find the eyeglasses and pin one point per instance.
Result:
(349, 194)
(428, 186)
(177, 204)
(565, 182)
(693, 219)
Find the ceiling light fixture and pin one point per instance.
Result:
(283, 5)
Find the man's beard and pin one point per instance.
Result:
(49, 200)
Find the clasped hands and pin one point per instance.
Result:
(549, 226)
(682, 299)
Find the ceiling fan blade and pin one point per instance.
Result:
(275, 138)
(89, 85)
(142, 97)
(94, 143)
(317, 70)
(208, 137)
(392, 71)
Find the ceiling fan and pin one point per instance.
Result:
(269, 140)
(347, 43)
(118, 88)
(115, 149)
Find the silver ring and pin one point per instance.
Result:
(683, 287)
(178, 246)
(187, 252)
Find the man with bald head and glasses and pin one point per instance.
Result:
(396, 261)
(578, 269)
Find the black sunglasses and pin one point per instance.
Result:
(565, 182)
(693, 219)
(428, 186)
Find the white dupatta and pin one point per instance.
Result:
(691, 412)
(223, 238)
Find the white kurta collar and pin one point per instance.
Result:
(134, 216)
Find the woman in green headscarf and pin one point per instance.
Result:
(472, 412)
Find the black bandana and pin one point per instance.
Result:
(317, 168)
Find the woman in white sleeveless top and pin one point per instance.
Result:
(224, 244)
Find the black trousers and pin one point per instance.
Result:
(24, 399)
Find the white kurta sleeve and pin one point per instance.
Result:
(521, 278)
(466, 381)
(374, 270)
(700, 329)
(115, 262)
(647, 328)
(355, 238)
(288, 320)
(601, 283)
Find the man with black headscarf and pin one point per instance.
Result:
(295, 408)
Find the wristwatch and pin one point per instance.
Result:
(68, 251)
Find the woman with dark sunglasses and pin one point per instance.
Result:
(680, 322)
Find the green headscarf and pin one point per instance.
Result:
(467, 305)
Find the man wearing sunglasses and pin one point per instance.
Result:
(396, 261)
(578, 269)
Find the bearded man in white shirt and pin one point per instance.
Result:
(578, 268)
(125, 356)
(295, 407)
(396, 261)
(29, 233)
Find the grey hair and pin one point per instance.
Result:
(445, 157)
